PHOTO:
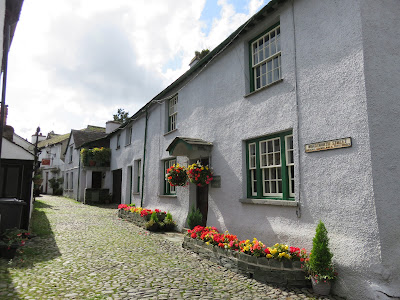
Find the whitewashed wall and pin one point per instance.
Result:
(330, 63)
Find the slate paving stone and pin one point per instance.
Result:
(95, 255)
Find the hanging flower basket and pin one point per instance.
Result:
(177, 175)
(199, 174)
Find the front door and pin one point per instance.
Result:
(117, 182)
(202, 198)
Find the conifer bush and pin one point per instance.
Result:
(319, 264)
(194, 218)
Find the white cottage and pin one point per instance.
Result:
(83, 181)
(51, 158)
(297, 113)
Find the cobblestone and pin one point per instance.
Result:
(95, 255)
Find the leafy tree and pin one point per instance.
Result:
(201, 54)
(121, 115)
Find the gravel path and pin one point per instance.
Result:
(95, 255)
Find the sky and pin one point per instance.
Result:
(73, 63)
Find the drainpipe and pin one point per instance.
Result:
(79, 177)
(3, 95)
(144, 156)
(298, 210)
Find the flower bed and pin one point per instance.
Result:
(279, 264)
(153, 220)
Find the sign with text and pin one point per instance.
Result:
(329, 145)
(45, 162)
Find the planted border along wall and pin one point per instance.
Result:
(285, 272)
(131, 217)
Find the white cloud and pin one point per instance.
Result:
(74, 62)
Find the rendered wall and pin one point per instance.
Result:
(381, 38)
(324, 95)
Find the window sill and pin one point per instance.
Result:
(167, 196)
(118, 148)
(263, 88)
(270, 202)
(170, 132)
(136, 194)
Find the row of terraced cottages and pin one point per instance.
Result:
(297, 114)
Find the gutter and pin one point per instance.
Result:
(144, 156)
(3, 95)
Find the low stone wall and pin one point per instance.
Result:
(132, 217)
(284, 273)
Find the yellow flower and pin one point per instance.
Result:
(286, 247)
(281, 254)
(269, 256)
(273, 251)
(202, 168)
(206, 168)
(208, 243)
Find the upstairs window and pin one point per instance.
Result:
(270, 167)
(266, 59)
(172, 113)
(118, 141)
(71, 149)
(128, 136)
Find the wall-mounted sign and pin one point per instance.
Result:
(216, 182)
(328, 145)
(45, 162)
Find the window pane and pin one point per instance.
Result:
(263, 68)
(277, 158)
(279, 186)
(273, 173)
(270, 159)
(267, 54)
(273, 187)
(269, 66)
(264, 80)
(276, 145)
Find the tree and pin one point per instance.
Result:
(121, 115)
(201, 54)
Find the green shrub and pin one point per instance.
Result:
(320, 262)
(194, 218)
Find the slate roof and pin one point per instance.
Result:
(54, 140)
(85, 136)
(268, 9)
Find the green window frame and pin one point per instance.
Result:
(138, 174)
(265, 58)
(270, 167)
(168, 190)
(172, 113)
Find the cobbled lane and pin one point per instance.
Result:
(95, 255)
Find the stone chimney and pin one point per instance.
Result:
(112, 125)
(194, 60)
(40, 138)
(8, 133)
